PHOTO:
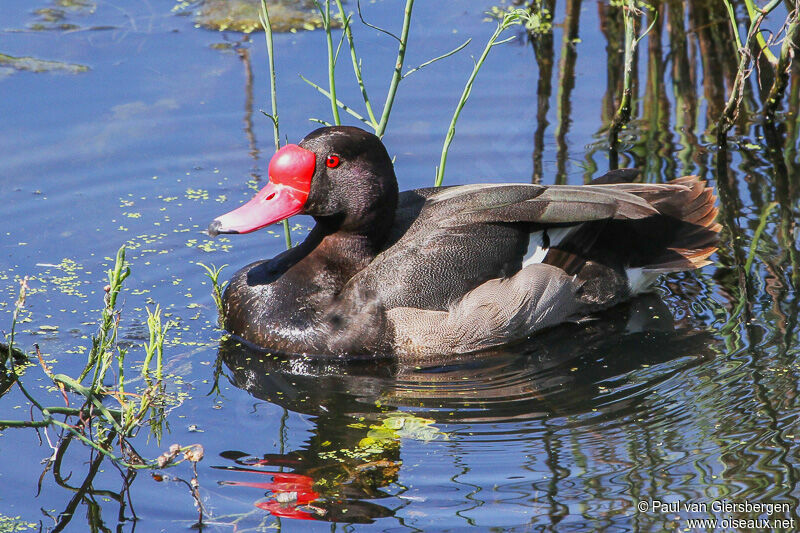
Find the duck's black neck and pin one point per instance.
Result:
(364, 228)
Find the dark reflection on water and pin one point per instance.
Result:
(604, 368)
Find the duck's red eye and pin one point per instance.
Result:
(332, 161)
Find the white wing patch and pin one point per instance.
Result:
(541, 241)
(640, 279)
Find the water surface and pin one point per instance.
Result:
(689, 395)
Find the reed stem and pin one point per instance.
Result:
(267, 25)
(511, 18)
(623, 114)
(752, 13)
(397, 75)
(731, 108)
(348, 32)
(783, 67)
(325, 13)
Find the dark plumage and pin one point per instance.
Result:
(449, 270)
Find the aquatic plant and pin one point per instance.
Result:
(93, 423)
(783, 65)
(243, 15)
(32, 64)
(505, 20)
(754, 38)
(378, 125)
(109, 423)
(623, 114)
(213, 272)
(266, 23)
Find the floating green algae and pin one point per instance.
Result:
(60, 15)
(10, 524)
(32, 64)
(242, 15)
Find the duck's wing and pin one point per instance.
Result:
(658, 227)
(544, 205)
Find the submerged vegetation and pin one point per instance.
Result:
(737, 83)
(213, 272)
(32, 64)
(243, 15)
(102, 429)
(741, 86)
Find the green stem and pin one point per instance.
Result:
(437, 58)
(342, 105)
(623, 113)
(287, 233)
(356, 66)
(212, 273)
(90, 397)
(67, 411)
(734, 23)
(326, 24)
(25, 423)
(728, 116)
(72, 411)
(119, 460)
(106, 337)
(20, 303)
(509, 20)
(753, 12)
(267, 25)
(398, 70)
(782, 68)
(757, 236)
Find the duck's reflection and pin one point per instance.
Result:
(362, 410)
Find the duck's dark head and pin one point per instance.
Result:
(341, 175)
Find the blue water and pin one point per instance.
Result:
(683, 396)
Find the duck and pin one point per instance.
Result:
(440, 271)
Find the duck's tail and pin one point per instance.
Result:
(688, 243)
(681, 237)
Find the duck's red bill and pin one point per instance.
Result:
(290, 173)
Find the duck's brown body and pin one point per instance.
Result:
(455, 269)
